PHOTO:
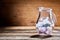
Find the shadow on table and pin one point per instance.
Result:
(39, 36)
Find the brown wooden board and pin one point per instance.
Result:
(25, 12)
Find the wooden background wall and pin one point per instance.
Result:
(25, 12)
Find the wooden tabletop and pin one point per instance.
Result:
(26, 33)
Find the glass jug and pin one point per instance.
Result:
(46, 21)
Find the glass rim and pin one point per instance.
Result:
(44, 8)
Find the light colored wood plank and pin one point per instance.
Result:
(27, 27)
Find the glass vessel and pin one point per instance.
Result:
(46, 21)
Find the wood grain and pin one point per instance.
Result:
(25, 12)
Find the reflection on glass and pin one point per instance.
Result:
(46, 21)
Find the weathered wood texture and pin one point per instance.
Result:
(26, 33)
(25, 12)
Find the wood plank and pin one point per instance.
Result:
(27, 27)
(25, 12)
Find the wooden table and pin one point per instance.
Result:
(25, 33)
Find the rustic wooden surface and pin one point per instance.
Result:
(26, 33)
(25, 12)
(26, 27)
